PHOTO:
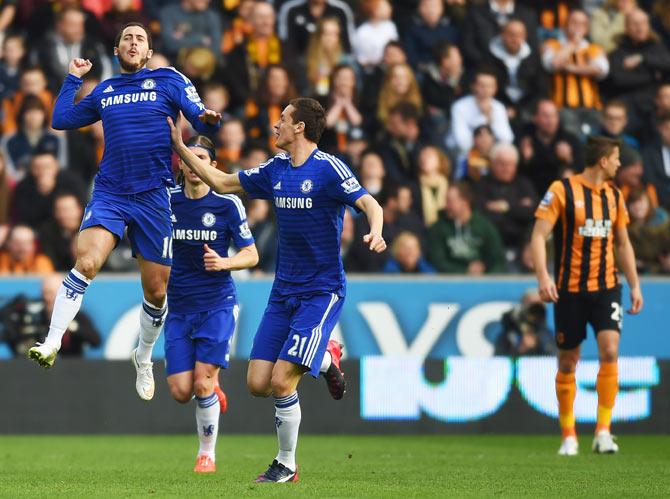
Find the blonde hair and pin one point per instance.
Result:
(316, 55)
(388, 98)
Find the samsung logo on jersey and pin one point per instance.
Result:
(128, 98)
(193, 235)
(293, 203)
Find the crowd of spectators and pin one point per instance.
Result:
(455, 114)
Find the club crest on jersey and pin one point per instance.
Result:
(148, 84)
(546, 200)
(208, 219)
(306, 186)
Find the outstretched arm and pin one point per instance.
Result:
(223, 183)
(369, 205)
(67, 115)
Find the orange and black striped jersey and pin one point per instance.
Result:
(585, 218)
(571, 90)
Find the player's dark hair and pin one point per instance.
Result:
(598, 148)
(150, 41)
(202, 142)
(311, 113)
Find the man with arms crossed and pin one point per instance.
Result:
(588, 218)
(131, 186)
(309, 190)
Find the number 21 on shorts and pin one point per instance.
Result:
(298, 345)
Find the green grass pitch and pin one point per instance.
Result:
(330, 466)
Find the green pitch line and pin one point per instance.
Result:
(388, 466)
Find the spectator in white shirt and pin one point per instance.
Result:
(480, 108)
(372, 36)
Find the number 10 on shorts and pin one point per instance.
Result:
(167, 247)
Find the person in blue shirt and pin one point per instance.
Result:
(201, 295)
(131, 187)
(309, 190)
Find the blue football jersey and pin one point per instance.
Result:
(134, 110)
(309, 202)
(215, 220)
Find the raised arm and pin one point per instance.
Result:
(188, 101)
(223, 183)
(67, 115)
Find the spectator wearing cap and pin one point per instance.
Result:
(33, 135)
(407, 257)
(507, 199)
(656, 161)
(32, 203)
(480, 108)
(21, 256)
(546, 148)
(343, 118)
(464, 241)
(630, 175)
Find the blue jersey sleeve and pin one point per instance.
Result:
(187, 100)
(67, 115)
(257, 182)
(237, 223)
(341, 183)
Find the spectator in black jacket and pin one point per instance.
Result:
(546, 148)
(401, 143)
(32, 202)
(67, 42)
(486, 20)
(443, 82)
(297, 20)
(506, 198)
(429, 26)
(57, 235)
(656, 160)
(637, 66)
(518, 68)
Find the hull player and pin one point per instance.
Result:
(202, 302)
(131, 187)
(309, 190)
(588, 218)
